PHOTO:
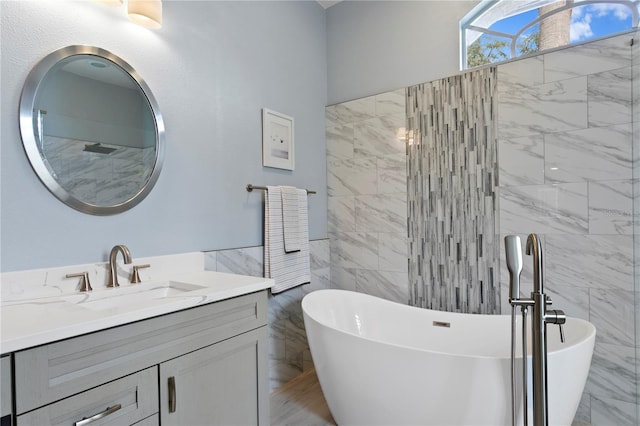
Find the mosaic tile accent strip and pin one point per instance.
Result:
(452, 182)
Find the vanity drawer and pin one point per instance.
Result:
(51, 372)
(122, 402)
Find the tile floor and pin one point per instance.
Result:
(300, 403)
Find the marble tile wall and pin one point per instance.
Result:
(97, 178)
(288, 348)
(366, 174)
(452, 172)
(635, 80)
(565, 172)
(565, 127)
(367, 201)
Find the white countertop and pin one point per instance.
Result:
(31, 322)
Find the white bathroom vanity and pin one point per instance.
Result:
(188, 349)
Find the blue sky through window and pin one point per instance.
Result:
(596, 20)
(588, 21)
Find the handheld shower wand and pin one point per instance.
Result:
(513, 250)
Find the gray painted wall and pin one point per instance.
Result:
(212, 67)
(375, 47)
(90, 110)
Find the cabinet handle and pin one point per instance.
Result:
(172, 394)
(105, 413)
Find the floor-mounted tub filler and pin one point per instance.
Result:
(384, 363)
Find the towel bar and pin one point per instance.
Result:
(251, 187)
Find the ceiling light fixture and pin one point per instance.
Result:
(147, 13)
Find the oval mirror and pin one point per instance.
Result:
(92, 130)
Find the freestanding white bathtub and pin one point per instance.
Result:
(384, 363)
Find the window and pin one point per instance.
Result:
(499, 30)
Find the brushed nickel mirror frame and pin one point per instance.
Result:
(29, 139)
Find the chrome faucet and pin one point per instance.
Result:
(539, 341)
(541, 317)
(113, 274)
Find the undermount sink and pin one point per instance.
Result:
(131, 294)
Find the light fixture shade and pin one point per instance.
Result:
(147, 13)
(115, 3)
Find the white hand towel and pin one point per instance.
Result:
(287, 269)
(291, 218)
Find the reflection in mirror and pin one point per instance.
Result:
(91, 129)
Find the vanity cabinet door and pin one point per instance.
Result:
(149, 421)
(122, 402)
(5, 391)
(221, 384)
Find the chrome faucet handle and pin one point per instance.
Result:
(135, 276)
(513, 251)
(85, 285)
(556, 316)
